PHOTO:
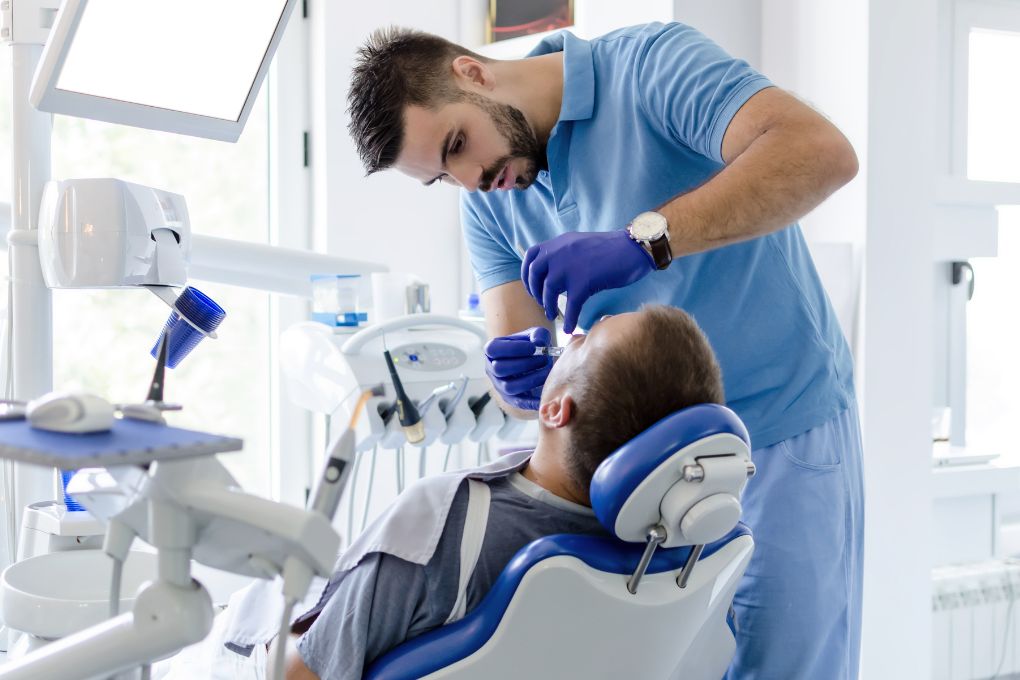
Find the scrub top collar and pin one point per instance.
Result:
(578, 104)
(578, 73)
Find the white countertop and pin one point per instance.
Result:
(993, 477)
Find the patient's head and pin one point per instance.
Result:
(630, 371)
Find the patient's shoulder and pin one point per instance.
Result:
(411, 527)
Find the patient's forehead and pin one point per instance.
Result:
(616, 326)
(606, 336)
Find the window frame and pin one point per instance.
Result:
(290, 226)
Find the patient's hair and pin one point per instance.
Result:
(669, 366)
(394, 69)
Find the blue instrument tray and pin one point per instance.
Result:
(130, 442)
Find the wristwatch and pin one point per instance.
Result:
(651, 231)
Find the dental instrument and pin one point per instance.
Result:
(12, 410)
(338, 461)
(407, 412)
(449, 407)
(478, 405)
(549, 351)
(424, 407)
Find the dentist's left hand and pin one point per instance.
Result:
(580, 265)
(516, 373)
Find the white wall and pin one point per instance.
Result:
(387, 217)
(817, 49)
(734, 24)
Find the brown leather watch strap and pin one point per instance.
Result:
(661, 252)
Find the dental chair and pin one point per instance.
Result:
(649, 602)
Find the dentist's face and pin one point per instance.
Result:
(475, 143)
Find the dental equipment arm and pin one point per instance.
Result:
(297, 574)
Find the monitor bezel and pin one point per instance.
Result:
(45, 96)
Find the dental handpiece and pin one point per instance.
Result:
(548, 351)
(339, 457)
(334, 478)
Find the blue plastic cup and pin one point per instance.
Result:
(181, 336)
(71, 504)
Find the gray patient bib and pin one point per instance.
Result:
(409, 529)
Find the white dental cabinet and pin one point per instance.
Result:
(969, 505)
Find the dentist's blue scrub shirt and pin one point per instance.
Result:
(643, 117)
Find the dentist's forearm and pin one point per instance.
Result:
(793, 160)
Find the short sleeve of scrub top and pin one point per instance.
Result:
(492, 257)
(692, 88)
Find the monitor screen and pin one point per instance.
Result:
(193, 67)
(193, 56)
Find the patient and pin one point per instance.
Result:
(630, 371)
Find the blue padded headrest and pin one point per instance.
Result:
(621, 473)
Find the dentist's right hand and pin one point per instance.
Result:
(516, 373)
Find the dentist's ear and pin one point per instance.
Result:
(472, 74)
(557, 412)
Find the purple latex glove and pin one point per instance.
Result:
(515, 371)
(580, 265)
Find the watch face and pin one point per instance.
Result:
(648, 226)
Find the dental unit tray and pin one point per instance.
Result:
(130, 442)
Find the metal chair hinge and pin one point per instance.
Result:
(685, 573)
(656, 535)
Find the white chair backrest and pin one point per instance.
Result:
(570, 607)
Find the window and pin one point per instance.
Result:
(102, 338)
(988, 49)
(985, 105)
(5, 197)
(993, 106)
(5, 130)
(993, 336)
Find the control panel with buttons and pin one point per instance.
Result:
(431, 356)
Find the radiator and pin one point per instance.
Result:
(976, 621)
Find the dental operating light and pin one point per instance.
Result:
(187, 66)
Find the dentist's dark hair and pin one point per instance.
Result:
(394, 69)
(666, 366)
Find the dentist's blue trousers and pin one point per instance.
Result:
(798, 609)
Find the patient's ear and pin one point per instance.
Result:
(557, 412)
(472, 74)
